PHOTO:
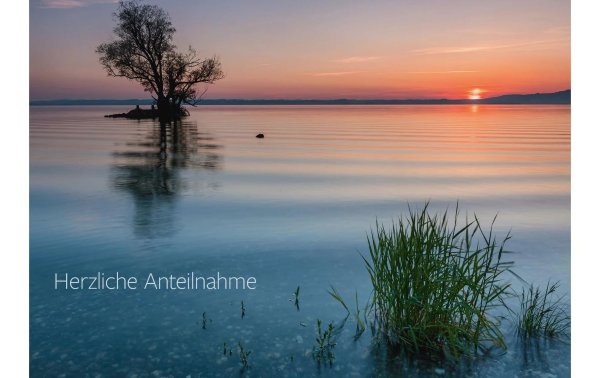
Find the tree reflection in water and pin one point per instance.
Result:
(152, 170)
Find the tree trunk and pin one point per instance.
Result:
(164, 109)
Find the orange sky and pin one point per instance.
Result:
(323, 49)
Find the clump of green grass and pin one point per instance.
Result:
(324, 344)
(204, 320)
(226, 349)
(435, 280)
(244, 356)
(542, 313)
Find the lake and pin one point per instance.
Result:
(293, 209)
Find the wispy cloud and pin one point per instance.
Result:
(66, 4)
(558, 30)
(331, 74)
(358, 59)
(467, 49)
(441, 72)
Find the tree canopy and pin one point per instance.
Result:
(144, 51)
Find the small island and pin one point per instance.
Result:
(137, 113)
(144, 51)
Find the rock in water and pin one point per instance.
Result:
(260, 136)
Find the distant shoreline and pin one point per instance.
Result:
(555, 98)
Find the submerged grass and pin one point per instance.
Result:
(542, 313)
(435, 282)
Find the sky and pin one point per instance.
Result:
(321, 49)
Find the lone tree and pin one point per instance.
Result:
(144, 51)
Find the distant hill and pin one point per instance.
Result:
(562, 97)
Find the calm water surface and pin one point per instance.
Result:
(293, 209)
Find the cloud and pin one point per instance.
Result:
(331, 74)
(467, 49)
(440, 72)
(66, 4)
(558, 30)
(358, 59)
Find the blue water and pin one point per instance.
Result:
(205, 196)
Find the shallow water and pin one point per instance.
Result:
(292, 209)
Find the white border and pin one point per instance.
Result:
(15, 187)
(585, 175)
(14, 195)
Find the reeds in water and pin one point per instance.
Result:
(435, 280)
(542, 313)
(324, 344)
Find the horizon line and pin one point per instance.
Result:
(311, 99)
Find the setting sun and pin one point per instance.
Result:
(475, 94)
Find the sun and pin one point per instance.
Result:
(475, 94)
